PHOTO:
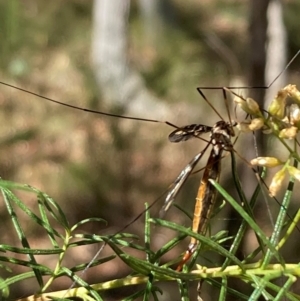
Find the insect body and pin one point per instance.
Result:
(220, 139)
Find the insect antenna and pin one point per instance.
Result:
(84, 109)
(257, 87)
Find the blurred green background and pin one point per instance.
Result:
(100, 166)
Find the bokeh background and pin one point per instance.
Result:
(142, 59)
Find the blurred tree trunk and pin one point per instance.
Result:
(257, 62)
(151, 20)
(276, 50)
(257, 47)
(118, 82)
(267, 59)
(258, 24)
(109, 47)
(124, 92)
(266, 32)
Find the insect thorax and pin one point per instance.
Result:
(221, 134)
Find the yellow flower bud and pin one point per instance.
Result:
(266, 161)
(256, 124)
(240, 101)
(253, 125)
(244, 127)
(277, 106)
(277, 182)
(249, 105)
(293, 92)
(288, 133)
(294, 172)
(253, 107)
(294, 114)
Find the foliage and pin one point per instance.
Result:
(259, 269)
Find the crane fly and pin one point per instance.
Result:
(220, 140)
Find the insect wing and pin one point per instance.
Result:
(187, 132)
(178, 183)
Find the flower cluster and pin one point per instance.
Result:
(283, 121)
(279, 176)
